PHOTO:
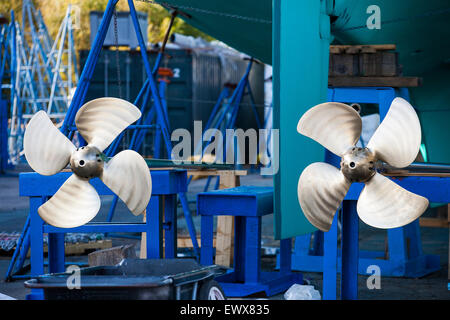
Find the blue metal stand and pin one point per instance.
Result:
(400, 262)
(3, 134)
(224, 115)
(149, 90)
(161, 215)
(405, 257)
(247, 205)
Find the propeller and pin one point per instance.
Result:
(382, 203)
(48, 151)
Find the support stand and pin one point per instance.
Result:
(405, 255)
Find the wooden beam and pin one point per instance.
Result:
(207, 173)
(225, 225)
(361, 48)
(433, 222)
(143, 252)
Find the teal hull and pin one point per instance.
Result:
(420, 29)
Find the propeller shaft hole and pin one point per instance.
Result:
(352, 164)
(81, 163)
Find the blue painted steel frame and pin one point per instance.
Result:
(401, 262)
(247, 205)
(232, 104)
(161, 214)
(84, 81)
(3, 134)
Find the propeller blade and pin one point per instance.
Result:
(47, 150)
(128, 176)
(397, 139)
(321, 189)
(336, 126)
(73, 205)
(101, 120)
(384, 204)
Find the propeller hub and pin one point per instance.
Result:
(358, 164)
(86, 162)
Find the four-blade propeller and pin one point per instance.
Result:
(48, 151)
(382, 203)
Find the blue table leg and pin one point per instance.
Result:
(330, 260)
(239, 260)
(154, 222)
(302, 244)
(37, 245)
(285, 255)
(350, 248)
(397, 244)
(56, 254)
(253, 249)
(415, 243)
(318, 243)
(170, 226)
(206, 253)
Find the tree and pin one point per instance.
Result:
(53, 12)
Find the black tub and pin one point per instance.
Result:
(136, 279)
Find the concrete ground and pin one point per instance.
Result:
(14, 210)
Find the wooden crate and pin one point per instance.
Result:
(343, 65)
(364, 61)
(379, 64)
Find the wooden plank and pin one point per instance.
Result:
(225, 225)
(186, 242)
(80, 248)
(433, 222)
(396, 82)
(361, 48)
(143, 252)
(207, 173)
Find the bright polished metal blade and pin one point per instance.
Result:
(101, 120)
(47, 150)
(336, 126)
(128, 176)
(321, 189)
(73, 205)
(384, 204)
(397, 139)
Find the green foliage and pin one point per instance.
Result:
(53, 12)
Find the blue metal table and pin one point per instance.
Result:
(247, 204)
(405, 255)
(161, 214)
(435, 189)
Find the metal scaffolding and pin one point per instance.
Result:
(44, 71)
